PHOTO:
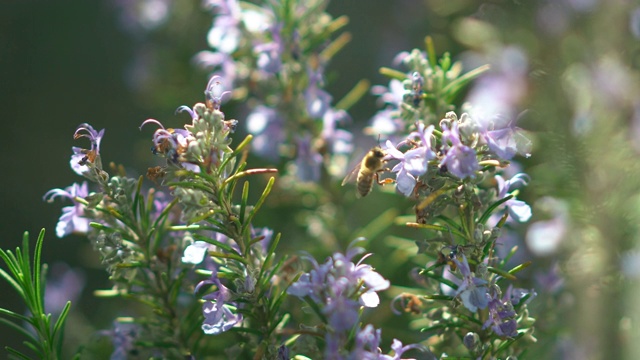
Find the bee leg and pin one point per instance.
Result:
(383, 181)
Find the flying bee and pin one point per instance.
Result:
(367, 171)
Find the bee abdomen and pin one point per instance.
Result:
(364, 183)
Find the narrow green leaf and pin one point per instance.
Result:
(432, 267)
(502, 273)
(433, 227)
(435, 327)
(315, 308)
(203, 175)
(25, 277)
(192, 185)
(244, 200)
(431, 51)
(353, 96)
(270, 253)
(165, 212)
(505, 345)
(12, 314)
(242, 174)
(520, 267)
(24, 262)
(335, 46)
(136, 199)
(223, 246)
(221, 255)
(12, 282)
(18, 329)
(452, 224)
(509, 255)
(99, 226)
(275, 305)
(34, 347)
(258, 205)
(141, 214)
(174, 289)
(438, 297)
(16, 353)
(392, 73)
(59, 325)
(469, 318)
(38, 284)
(241, 146)
(442, 280)
(453, 88)
(487, 213)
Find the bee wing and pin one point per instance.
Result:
(353, 174)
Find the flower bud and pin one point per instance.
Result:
(471, 341)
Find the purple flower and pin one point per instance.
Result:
(270, 54)
(393, 95)
(502, 315)
(72, 219)
(81, 157)
(405, 182)
(266, 125)
(318, 101)
(518, 210)
(399, 349)
(218, 317)
(123, 336)
(336, 284)
(340, 141)
(545, 236)
(385, 123)
(308, 161)
(214, 94)
(552, 281)
(515, 295)
(341, 311)
(471, 290)
(367, 346)
(507, 141)
(313, 283)
(460, 160)
(414, 162)
(225, 34)
(218, 60)
(171, 143)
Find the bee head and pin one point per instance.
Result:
(378, 152)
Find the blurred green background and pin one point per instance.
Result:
(116, 63)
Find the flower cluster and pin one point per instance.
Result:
(337, 289)
(188, 248)
(453, 169)
(150, 245)
(282, 49)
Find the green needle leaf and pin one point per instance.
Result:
(487, 213)
(258, 205)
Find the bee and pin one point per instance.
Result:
(367, 171)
